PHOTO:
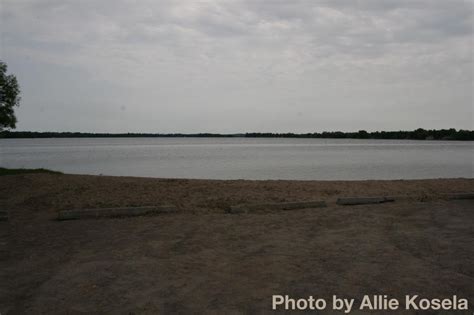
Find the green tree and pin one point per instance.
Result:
(9, 98)
(362, 134)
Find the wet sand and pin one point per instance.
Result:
(202, 259)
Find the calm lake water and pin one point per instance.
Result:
(235, 158)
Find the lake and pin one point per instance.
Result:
(244, 158)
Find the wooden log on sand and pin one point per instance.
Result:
(461, 196)
(363, 200)
(3, 216)
(277, 206)
(113, 212)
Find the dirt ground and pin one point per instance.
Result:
(204, 260)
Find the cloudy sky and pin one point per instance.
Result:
(237, 66)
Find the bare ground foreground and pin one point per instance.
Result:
(202, 259)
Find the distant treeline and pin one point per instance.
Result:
(418, 134)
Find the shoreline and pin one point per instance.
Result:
(49, 192)
(236, 137)
(416, 134)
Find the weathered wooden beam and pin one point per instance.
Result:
(113, 212)
(461, 195)
(363, 200)
(277, 206)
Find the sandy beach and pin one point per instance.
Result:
(202, 258)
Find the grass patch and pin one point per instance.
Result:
(18, 171)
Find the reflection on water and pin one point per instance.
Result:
(234, 158)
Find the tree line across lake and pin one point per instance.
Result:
(418, 134)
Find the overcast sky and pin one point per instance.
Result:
(237, 66)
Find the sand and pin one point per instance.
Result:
(44, 193)
(204, 260)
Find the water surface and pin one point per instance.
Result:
(244, 158)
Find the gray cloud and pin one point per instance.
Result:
(231, 66)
